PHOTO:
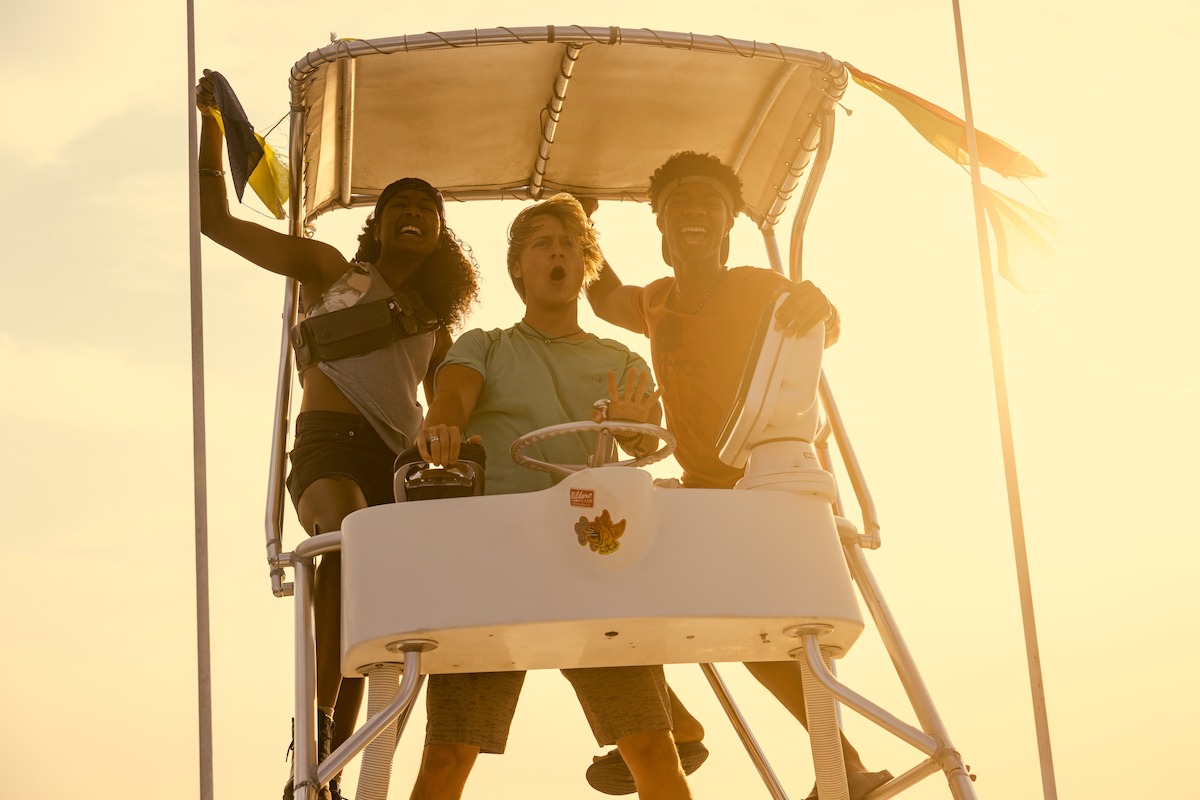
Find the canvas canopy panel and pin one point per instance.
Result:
(525, 112)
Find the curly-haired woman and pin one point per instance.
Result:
(374, 328)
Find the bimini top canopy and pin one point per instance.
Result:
(526, 112)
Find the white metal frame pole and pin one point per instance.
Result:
(1016, 520)
(199, 460)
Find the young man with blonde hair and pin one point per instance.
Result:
(495, 386)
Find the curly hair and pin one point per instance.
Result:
(449, 279)
(688, 163)
(566, 209)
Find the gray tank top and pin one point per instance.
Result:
(381, 384)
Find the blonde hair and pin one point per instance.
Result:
(567, 210)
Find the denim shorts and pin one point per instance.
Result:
(331, 444)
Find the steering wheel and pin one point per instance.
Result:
(620, 426)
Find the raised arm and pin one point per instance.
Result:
(458, 389)
(311, 262)
(612, 301)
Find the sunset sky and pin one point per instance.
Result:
(97, 608)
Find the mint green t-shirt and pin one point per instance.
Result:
(529, 383)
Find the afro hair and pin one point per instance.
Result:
(689, 163)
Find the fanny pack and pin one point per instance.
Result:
(360, 329)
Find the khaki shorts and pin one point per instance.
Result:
(476, 709)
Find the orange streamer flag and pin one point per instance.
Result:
(1024, 237)
(947, 132)
(1026, 240)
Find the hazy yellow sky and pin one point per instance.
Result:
(96, 604)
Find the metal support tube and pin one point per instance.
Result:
(764, 109)
(858, 481)
(771, 243)
(553, 113)
(283, 381)
(410, 683)
(906, 780)
(304, 763)
(308, 775)
(575, 35)
(319, 545)
(833, 76)
(346, 128)
(603, 450)
(743, 731)
(809, 196)
(810, 653)
(906, 669)
(910, 678)
(279, 431)
(821, 443)
(296, 116)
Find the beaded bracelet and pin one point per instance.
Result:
(211, 173)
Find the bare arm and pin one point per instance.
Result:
(441, 346)
(612, 301)
(458, 389)
(311, 262)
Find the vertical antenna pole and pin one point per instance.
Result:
(199, 465)
(1015, 515)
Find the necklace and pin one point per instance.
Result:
(707, 297)
(548, 339)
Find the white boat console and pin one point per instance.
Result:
(604, 569)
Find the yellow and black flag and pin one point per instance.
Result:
(251, 159)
